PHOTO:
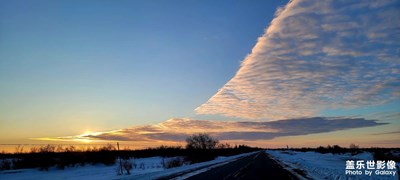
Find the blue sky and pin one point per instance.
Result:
(73, 67)
(111, 65)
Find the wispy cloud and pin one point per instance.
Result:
(176, 130)
(385, 133)
(317, 55)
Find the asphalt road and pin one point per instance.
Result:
(257, 166)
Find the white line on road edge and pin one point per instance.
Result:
(286, 166)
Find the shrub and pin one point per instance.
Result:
(172, 162)
(5, 164)
(127, 165)
(141, 166)
(19, 149)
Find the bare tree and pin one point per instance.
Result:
(127, 165)
(223, 146)
(201, 141)
(353, 146)
(19, 149)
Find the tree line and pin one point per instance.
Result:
(199, 148)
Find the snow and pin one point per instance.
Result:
(146, 168)
(323, 166)
(99, 171)
(189, 170)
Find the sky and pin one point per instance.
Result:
(145, 73)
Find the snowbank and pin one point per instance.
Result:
(323, 166)
(144, 168)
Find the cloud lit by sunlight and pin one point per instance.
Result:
(317, 55)
(84, 138)
(177, 130)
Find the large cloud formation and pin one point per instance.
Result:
(178, 129)
(317, 55)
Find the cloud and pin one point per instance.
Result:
(176, 130)
(386, 133)
(317, 55)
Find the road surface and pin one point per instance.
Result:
(257, 166)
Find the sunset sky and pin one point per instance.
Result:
(146, 73)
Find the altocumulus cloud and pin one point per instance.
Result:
(317, 55)
(178, 129)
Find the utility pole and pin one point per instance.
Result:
(119, 157)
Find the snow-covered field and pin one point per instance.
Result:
(146, 168)
(324, 166)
